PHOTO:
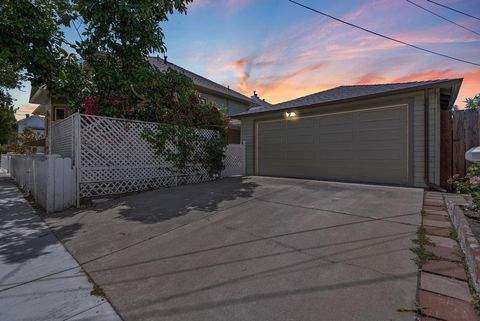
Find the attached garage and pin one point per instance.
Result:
(371, 134)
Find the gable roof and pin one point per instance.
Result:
(33, 122)
(347, 93)
(203, 82)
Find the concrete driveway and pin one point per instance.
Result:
(257, 248)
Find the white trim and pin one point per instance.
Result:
(337, 113)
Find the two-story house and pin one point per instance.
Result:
(232, 101)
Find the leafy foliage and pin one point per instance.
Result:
(469, 184)
(169, 98)
(107, 72)
(20, 147)
(8, 123)
(473, 103)
(33, 45)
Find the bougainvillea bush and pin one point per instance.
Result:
(170, 99)
(470, 184)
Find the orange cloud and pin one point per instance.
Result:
(427, 75)
(318, 54)
(240, 63)
(370, 78)
(25, 109)
(470, 87)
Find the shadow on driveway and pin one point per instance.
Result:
(275, 249)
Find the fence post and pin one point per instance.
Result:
(77, 157)
(244, 160)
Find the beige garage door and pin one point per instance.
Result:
(363, 146)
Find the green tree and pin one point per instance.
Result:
(473, 103)
(33, 44)
(8, 123)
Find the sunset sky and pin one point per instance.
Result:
(284, 51)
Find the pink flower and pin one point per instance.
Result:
(195, 101)
(113, 101)
(475, 180)
(90, 109)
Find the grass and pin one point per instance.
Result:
(419, 309)
(97, 291)
(453, 233)
(422, 255)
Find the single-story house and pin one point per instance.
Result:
(37, 125)
(55, 108)
(34, 122)
(362, 133)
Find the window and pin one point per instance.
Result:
(59, 113)
(202, 100)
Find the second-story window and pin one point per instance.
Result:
(59, 113)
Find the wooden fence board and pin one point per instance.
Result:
(458, 133)
(471, 131)
(446, 145)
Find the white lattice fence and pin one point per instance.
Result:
(115, 158)
(234, 160)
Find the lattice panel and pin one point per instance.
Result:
(234, 160)
(62, 137)
(115, 158)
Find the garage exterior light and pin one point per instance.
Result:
(290, 114)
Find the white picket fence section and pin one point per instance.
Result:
(110, 156)
(48, 179)
(5, 162)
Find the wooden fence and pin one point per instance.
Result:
(460, 131)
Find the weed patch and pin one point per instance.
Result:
(422, 255)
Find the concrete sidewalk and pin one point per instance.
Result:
(39, 279)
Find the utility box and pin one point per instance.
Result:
(473, 155)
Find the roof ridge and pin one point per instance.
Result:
(158, 60)
(346, 93)
(400, 83)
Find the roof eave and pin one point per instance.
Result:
(223, 94)
(455, 90)
(38, 95)
(456, 82)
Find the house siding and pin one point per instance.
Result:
(247, 138)
(418, 140)
(414, 100)
(231, 106)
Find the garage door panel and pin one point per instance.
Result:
(301, 123)
(332, 154)
(335, 138)
(381, 156)
(380, 135)
(367, 146)
(381, 114)
(336, 119)
(381, 127)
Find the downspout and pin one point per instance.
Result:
(426, 136)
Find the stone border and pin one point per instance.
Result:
(469, 244)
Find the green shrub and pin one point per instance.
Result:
(470, 184)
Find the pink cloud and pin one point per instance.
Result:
(318, 54)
